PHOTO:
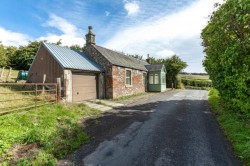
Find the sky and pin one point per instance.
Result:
(160, 28)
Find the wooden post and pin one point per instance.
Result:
(36, 98)
(18, 75)
(172, 85)
(58, 80)
(9, 75)
(44, 79)
(2, 73)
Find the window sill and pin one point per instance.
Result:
(128, 86)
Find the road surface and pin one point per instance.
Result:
(177, 129)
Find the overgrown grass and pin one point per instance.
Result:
(41, 136)
(236, 127)
(13, 99)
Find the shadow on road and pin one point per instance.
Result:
(181, 122)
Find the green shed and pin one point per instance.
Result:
(156, 77)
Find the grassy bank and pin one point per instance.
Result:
(235, 126)
(41, 136)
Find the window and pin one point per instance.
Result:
(144, 78)
(151, 78)
(128, 77)
(156, 79)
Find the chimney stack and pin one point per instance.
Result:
(148, 59)
(90, 37)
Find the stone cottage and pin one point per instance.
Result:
(96, 72)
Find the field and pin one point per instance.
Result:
(195, 81)
(206, 77)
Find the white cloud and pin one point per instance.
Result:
(161, 36)
(71, 35)
(61, 24)
(164, 53)
(132, 7)
(107, 13)
(10, 38)
(67, 40)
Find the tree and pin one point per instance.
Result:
(76, 47)
(174, 65)
(227, 47)
(24, 56)
(3, 57)
(136, 56)
(59, 42)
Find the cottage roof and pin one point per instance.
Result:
(121, 59)
(72, 59)
(154, 67)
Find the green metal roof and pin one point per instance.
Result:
(72, 59)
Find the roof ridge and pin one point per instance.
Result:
(122, 53)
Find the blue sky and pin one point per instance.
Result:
(160, 28)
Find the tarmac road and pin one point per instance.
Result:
(178, 129)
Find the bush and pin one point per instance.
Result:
(227, 48)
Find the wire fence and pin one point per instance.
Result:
(16, 96)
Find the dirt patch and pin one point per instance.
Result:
(18, 152)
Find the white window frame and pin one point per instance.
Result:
(149, 79)
(128, 85)
(156, 78)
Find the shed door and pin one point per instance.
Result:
(84, 86)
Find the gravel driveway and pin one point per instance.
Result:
(170, 129)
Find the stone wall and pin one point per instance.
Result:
(107, 66)
(119, 82)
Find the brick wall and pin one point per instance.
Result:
(115, 76)
(119, 85)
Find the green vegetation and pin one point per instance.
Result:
(43, 135)
(128, 96)
(20, 58)
(174, 65)
(236, 127)
(201, 82)
(227, 48)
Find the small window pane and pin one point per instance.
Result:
(156, 79)
(151, 79)
(128, 77)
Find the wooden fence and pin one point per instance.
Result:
(15, 96)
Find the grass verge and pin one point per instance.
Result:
(236, 127)
(41, 136)
(128, 96)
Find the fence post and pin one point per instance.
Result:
(9, 74)
(2, 73)
(44, 79)
(58, 80)
(36, 97)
